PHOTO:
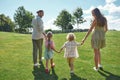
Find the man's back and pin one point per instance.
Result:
(37, 28)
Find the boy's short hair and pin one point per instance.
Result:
(71, 36)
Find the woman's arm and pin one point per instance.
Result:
(89, 31)
(106, 26)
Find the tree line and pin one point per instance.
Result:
(65, 20)
(6, 24)
(23, 18)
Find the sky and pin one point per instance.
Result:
(109, 8)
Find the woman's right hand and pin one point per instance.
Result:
(82, 42)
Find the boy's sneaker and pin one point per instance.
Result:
(47, 71)
(100, 67)
(95, 69)
(53, 65)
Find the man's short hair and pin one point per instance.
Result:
(40, 11)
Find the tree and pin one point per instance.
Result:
(48, 30)
(69, 26)
(77, 17)
(6, 24)
(63, 19)
(23, 19)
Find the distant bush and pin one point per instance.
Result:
(67, 31)
(55, 31)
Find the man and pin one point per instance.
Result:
(37, 36)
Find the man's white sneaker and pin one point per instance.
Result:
(36, 64)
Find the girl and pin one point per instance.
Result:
(49, 47)
(99, 25)
(70, 50)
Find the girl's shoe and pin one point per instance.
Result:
(47, 71)
(71, 72)
(100, 67)
(95, 69)
(53, 65)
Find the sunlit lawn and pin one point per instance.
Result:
(16, 59)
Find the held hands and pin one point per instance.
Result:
(60, 51)
(82, 42)
(57, 51)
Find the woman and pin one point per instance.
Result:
(99, 25)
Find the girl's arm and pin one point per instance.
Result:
(89, 31)
(61, 49)
(78, 44)
(55, 50)
(53, 47)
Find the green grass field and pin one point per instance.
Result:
(16, 59)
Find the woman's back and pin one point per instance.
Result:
(98, 37)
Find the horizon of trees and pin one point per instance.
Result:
(65, 20)
(23, 18)
(6, 24)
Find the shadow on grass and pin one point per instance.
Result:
(109, 75)
(39, 74)
(74, 77)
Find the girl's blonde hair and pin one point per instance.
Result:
(71, 36)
